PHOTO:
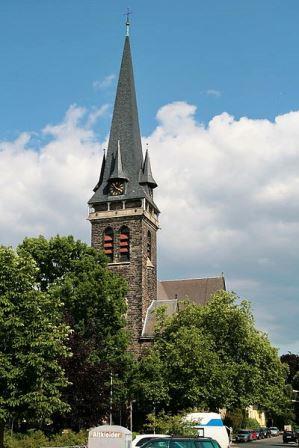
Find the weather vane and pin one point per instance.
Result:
(128, 13)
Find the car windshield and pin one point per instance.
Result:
(157, 444)
(204, 444)
(216, 444)
(143, 441)
(244, 432)
(180, 443)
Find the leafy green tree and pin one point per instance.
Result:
(169, 424)
(32, 340)
(94, 308)
(234, 418)
(292, 361)
(213, 357)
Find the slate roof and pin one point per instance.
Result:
(146, 174)
(170, 307)
(170, 292)
(117, 168)
(198, 290)
(124, 155)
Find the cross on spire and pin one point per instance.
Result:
(128, 13)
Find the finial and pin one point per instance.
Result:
(104, 149)
(146, 146)
(128, 13)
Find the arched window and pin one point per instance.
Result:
(109, 243)
(124, 244)
(149, 245)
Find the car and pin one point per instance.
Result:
(264, 432)
(182, 442)
(274, 431)
(268, 433)
(289, 436)
(141, 439)
(244, 435)
(254, 435)
(261, 433)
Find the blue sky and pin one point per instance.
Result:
(52, 52)
(217, 89)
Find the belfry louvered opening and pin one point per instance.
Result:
(109, 243)
(124, 244)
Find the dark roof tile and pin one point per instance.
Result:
(199, 290)
(170, 292)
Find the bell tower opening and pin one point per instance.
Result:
(124, 244)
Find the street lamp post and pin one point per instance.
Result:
(131, 414)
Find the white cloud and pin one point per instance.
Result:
(228, 192)
(213, 92)
(45, 191)
(104, 83)
(229, 195)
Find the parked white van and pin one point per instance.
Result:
(210, 424)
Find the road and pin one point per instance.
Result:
(266, 443)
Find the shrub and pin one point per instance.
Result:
(250, 423)
(169, 424)
(234, 419)
(37, 439)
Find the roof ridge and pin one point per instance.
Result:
(188, 279)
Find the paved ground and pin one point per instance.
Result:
(266, 443)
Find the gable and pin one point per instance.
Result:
(170, 292)
(198, 290)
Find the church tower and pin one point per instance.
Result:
(122, 211)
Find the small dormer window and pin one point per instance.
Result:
(124, 244)
(109, 243)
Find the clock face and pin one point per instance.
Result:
(117, 188)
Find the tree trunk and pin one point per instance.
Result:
(1, 434)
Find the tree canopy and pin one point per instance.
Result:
(62, 334)
(292, 361)
(33, 338)
(94, 308)
(212, 357)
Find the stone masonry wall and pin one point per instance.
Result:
(140, 273)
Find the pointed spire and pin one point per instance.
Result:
(146, 174)
(118, 172)
(102, 173)
(124, 158)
